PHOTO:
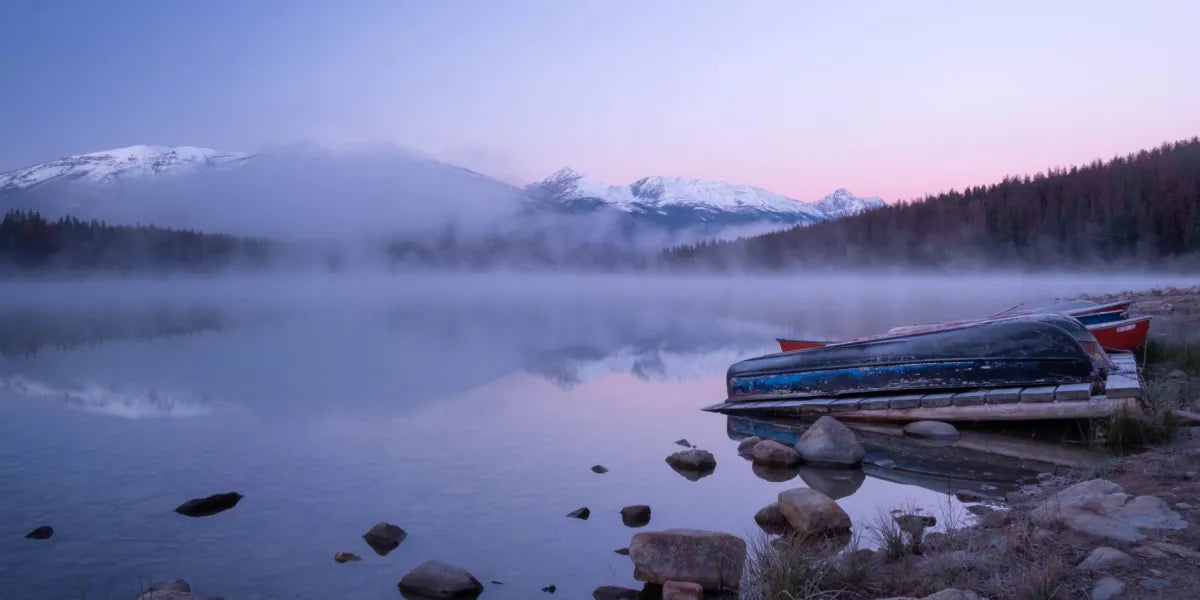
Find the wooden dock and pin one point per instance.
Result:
(1123, 390)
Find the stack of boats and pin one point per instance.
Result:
(1065, 361)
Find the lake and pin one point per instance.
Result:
(467, 409)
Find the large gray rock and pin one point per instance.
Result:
(1107, 589)
(1104, 558)
(772, 453)
(712, 559)
(829, 443)
(1102, 508)
(174, 589)
(436, 580)
(931, 430)
(810, 513)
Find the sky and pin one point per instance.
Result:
(896, 99)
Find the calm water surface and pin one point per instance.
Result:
(466, 409)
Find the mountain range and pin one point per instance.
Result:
(389, 187)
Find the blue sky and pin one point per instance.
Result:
(890, 98)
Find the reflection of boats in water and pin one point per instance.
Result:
(986, 462)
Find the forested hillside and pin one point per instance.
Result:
(1142, 208)
(29, 241)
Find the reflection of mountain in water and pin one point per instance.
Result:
(572, 366)
(96, 398)
(26, 331)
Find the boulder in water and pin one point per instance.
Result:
(580, 513)
(384, 537)
(811, 513)
(637, 515)
(931, 430)
(772, 453)
(829, 443)
(712, 559)
(41, 533)
(436, 580)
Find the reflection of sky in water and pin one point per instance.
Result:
(438, 412)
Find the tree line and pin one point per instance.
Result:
(1143, 208)
(29, 241)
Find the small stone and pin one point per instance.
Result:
(683, 442)
(210, 505)
(748, 443)
(550, 589)
(931, 430)
(1107, 589)
(437, 580)
(1149, 552)
(580, 513)
(1155, 584)
(682, 590)
(384, 537)
(1182, 505)
(772, 453)
(599, 469)
(884, 463)
(969, 496)
(612, 592)
(1104, 558)
(637, 515)
(346, 557)
(41, 533)
(693, 462)
(497, 582)
(622, 551)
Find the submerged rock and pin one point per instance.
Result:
(1102, 508)
(612, 592)
(211, 505)
(748, 443)
(637, 515)
(709, 558)
(683, 442)
(829, 443)
(435, 579)
(580, 513)
(622, 551)
(384, 537)
(174, 589)
(772, 453)
(811, 513)
(599, 469)
(550, 589)
(41, 533)
(346, 557)
(931, 430)
(682, 590)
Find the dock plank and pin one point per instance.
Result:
(1038, 394)
(971, 398)
(936, 400)
(1072, 392)
(901, 402)
(1004, 396)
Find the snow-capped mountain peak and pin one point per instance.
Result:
(843, 203)
(108, 166)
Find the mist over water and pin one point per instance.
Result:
(465, 408)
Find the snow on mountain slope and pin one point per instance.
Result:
(842, 203)
(120, 163)
(572, 190)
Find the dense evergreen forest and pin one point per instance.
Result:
(1139, 209)
(28, 241)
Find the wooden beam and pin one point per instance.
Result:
(1096, 407)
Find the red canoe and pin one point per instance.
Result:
(1117, 335)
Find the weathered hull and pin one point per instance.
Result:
(1033, 350)
(1122, 335)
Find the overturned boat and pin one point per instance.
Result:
(1027, 350)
